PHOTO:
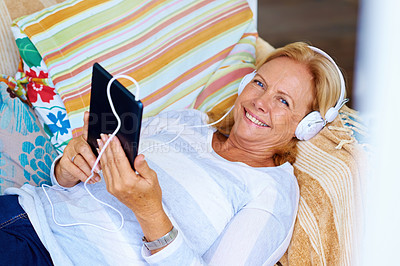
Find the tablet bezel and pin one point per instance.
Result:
(102, 120)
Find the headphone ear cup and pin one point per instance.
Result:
(309, 126)
(246, 80)
(331, 114)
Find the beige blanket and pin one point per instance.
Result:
(329, 169)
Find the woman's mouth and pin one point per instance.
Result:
(255, 120)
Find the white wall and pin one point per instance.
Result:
(377, 95)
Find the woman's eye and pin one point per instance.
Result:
(284, 102)
(259, 83)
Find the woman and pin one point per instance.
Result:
(206, 197)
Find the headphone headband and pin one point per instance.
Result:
(341, 101)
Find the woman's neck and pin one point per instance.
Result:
(227, 149)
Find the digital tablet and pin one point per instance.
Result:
(102, 119)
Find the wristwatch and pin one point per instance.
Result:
(162, 241)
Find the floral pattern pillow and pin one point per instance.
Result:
(26, 154)
(33, 85)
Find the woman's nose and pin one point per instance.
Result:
(263, 102)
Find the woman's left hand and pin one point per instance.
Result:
(140, 192)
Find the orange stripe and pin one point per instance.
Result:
(220, 83)
(78, 103)
(184, 77)
(72, 95)
(247, 34)
(180, 49)
(83, 100)
(189, 39)
(169, 55)
(76, 94)
(94, 36)
(188, 45)
(116, 26)
(119, 50)
(59, 16)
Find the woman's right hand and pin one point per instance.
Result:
(77, 161)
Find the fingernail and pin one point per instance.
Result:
(104, 137)
(97, 170)
(97, 178)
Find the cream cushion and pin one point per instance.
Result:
(10, 10)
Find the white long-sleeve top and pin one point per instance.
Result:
(227, 213)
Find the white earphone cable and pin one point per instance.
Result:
(97, 162)
(102, 151)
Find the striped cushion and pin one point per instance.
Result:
(183, 53)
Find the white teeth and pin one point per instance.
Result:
(255, 120)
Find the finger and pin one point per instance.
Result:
(143, 168)
(96, 178)
(85, 125)
(123, 165)
(103, 161)
(106, 152)
(84, 166)
(69, 151)
(103, 157)
(69, 167)
(110, 162)
(119, 154)
(83, 148)
(73, 151)
(120, 172)
(114, 160)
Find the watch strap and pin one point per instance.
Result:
(162, 241)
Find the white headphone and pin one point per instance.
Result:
(312, 123)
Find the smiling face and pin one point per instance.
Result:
(270, 107)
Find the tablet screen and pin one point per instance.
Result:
(102, 119)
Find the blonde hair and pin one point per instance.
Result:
(326, 90)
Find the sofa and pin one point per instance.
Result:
(183, 59)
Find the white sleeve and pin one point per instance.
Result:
(53, 169)
(259, 234)
(253, 237)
